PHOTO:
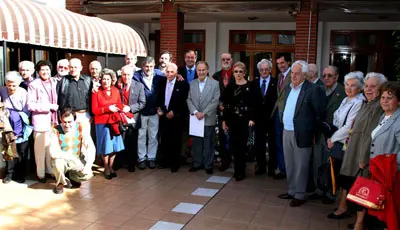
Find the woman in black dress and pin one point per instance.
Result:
(239, 101)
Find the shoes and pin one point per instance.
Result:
(351, 226)
(239, 177)
(113, 174)
(42, 180)
(142, 165)
(58, 189)
(152, 164)
(107, 176)
(131, 168)
(343, 215)
(260, 171)
(285, 196)
(327, 200)
(271, 173)
(210, 171)
(223, 167)
(315, 196)
(174, 169)
(194, 169)
(50, 176)
(296, 203)
(6, 180)
(75, 184)
(279, 176)
(20, 180)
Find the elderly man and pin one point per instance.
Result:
(131, 59)
(224, 76)
(283, 61)
(303, 109)
(203, 101)
(95, 70)
(172, 109)
(152, 82)
(74, 91)
(72, 152)
(26, 70)
(62, 69)
(313, 75)
(165, 58)
(267, 94)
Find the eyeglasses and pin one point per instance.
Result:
(226, 59)
(238, 71)
(63, 67)
(265, 70)
(328, 75)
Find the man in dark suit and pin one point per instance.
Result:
(188, 72)
(302, 113)
(224, 76)
(152, 82)
(313, 75)
(172, 109)
(267, 91)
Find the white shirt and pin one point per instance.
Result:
(169, 88)
(202, 84)
(148, 80)
(385, 119)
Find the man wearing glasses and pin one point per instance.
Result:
(62, 69)
(224, 76)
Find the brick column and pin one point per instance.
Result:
(306, 39)
(171, 32)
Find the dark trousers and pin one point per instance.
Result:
(224, 152)
(262, 131)
(16, 168)
(171, 141)
(130, 142)
(238, 142)
(279, 144)
(204, 149)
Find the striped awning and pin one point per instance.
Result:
(25, 21)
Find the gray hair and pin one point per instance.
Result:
(127, 68)
(359, 76)
(30, 65)
(334, 68)
(382, 79)
(312, 68)
(62, 60)
(147, 60)
(303, 64)
(110, 72)
(13, 76)
(264, 61)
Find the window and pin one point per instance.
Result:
(195, 40)
(286, 39)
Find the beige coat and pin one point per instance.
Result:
(358, 148)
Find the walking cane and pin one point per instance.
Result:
(333, 175)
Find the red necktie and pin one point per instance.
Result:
(282, 80)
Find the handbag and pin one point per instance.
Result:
(367, 193)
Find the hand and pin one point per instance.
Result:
(224, 126)
(95, 89)
(251, 123)
(126, 109)
(221, 107)
(362, 165)
(113, 108)
(179, 77)
(159, 112)
(330, 144)
(199, 115)
(170, 115)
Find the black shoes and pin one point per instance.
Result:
(75, 184)
(285, 196)
(58, 189)
(107, 176)
(315, 196)
(6, 180)
(279, 176)
(142, 165)
(239, 177)
(152, 164)
(260, 171)
(131, 168)
(113, 174)
(194, 169)
(223, 167)
(296, 203)
(42, 180)
(343, 215)
(210, 171)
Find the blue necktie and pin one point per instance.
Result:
(263, 86)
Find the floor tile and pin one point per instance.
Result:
(187, 208)
(219, 179)
(205, 192)
(163, 225)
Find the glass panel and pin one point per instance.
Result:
(12, 58)
(40, 55)
(342, 40)
(366, 39)
(258, 56)
(263, 38)
(364, 63)
(342, 61)
(193, 37)
(240, 38)
(24, 53)
(243, 57)
(286, 39)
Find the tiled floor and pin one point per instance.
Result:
(158, 199)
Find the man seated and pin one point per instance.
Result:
(72, 153)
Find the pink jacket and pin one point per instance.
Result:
(39, 102)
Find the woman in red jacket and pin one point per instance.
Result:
(106, 106)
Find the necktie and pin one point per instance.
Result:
(190, 74)
(226, 79)
(282, 80)
(263, 86)
(168, 94)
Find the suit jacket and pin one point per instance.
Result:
(387, 139)
(309, 113)
(266, 102)
(183, 73)
(177, 103)
(279, 106)
(206, 101)
(334, 102)
(137, 100)
(319, 82)
(152, 94)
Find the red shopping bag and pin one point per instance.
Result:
(367, 193)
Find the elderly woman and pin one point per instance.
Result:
(106, 102)
(42, 102)
(132, 95)
(14, 100)
(239, 113)
(343, 119)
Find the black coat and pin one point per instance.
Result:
(267, 102)
(177, 103)
(183, 73)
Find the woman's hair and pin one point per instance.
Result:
(110, 72)
(240, 65)
(359, 76)
(204, 63)
(13, 76)
(43, 63)
(382, 79)
(393, 88)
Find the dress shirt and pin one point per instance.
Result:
(168, 92)
(190, 74)
(202, 84)
(78, 95)
(266, 83)
(385, 119)
(290, 107)
(315, 81)
(331, 90)
(148, 80)
(284, 75)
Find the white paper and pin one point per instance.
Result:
(196, 127)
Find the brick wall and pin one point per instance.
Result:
(74, 6)
(302, 32)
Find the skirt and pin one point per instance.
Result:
(105, 143)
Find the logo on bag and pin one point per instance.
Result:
(363, 192)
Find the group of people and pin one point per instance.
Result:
(142, 119)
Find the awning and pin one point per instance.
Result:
(25, 21)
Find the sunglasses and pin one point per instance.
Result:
(238, 71)
(328, 75)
